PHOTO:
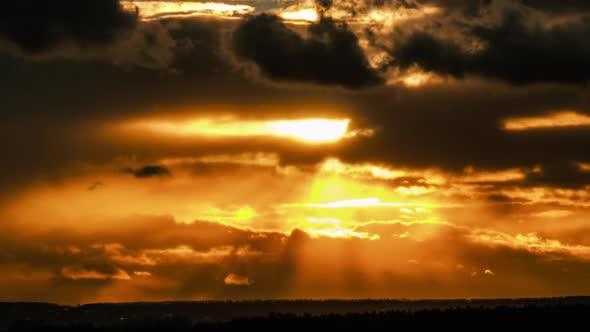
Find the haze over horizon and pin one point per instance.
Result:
(288, 149)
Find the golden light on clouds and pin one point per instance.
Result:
(149, 10)
(531, 242)
(81, 273)
(389, 16)
(335, 166)
(413, 77)
(208, 165)
(332, 228)
(304, 130)
(236, 280)
(554, 120)
(213, 213)
(472, 176)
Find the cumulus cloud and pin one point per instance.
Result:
(330, 55)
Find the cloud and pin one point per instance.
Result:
(77, 273)
(474, 7)
(563, 119)
(286, 266)
(163, 267)
(37, 27)
(558, 174)
(148, 171)
(237, 280)
(554, 214)
(153, 10)
(563, 6)
(518, 50)
(95, 185)
(330, 55)
(467, 7)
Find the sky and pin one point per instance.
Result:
(286, 149)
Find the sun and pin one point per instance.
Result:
(311, 130)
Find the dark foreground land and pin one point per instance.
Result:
(572, 313)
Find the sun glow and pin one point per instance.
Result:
(340, 206)
(371, 202)
(305, 130)
(307, 14)
(312, 130)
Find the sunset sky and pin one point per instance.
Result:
(266, 149)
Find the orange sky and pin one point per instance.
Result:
(186, 159)
(249, 225)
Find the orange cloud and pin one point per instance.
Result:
(236, 280)
(183, 253)
(472, 176)
(82, 273)
(530, 242)
(562, 119)
(335, 166)
(554, 214)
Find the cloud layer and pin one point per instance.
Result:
(385, 149)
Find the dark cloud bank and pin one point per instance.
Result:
(38, 26)
(447, 126)
(514, 50)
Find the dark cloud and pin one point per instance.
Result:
(330, 55)
(324, 4)
(559, 174)
(561, 6)
(38, 26)
(148, 171)
(448, 126)
(474, 7)
(95, 185)
(515, 50)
